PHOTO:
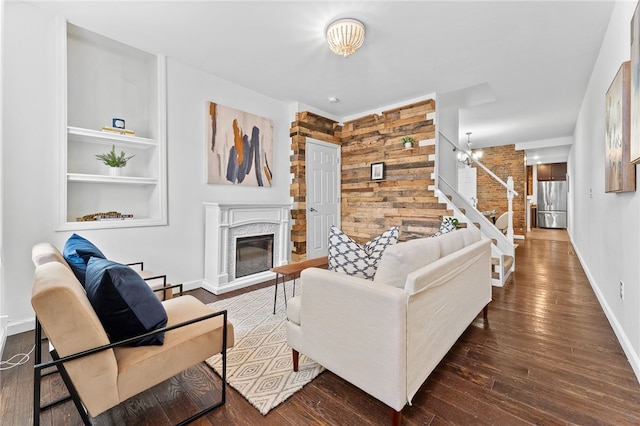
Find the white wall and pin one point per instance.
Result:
(3, 317)
(604, 227)
(29, 175)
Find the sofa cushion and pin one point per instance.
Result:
(470, 235)
(349, 257)
(77, 251)
(453, 241)
(403, 258)
(124, 303)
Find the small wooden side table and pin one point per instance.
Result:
(294, 269)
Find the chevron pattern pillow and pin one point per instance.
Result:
(349, 257)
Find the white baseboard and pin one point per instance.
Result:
(20, 326)
(220, 288)
(632, 356)
(191, 285)
(4, 320)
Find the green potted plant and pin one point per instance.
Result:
(453, 221)
(407, 141)
(114, 161)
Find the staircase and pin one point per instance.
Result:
(501, 267)
(502, 247)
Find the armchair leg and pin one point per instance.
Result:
(485, 313)
(72, 391)
(295, 356)
(223, 397)
(396, 417)
(37, 375)
(37, 379)
(37, 408)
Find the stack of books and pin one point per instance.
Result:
(119, 131)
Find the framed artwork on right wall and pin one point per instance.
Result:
(619, 172)
(634, 132)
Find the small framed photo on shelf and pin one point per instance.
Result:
(377, 171)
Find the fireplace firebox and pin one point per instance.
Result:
(254, 254)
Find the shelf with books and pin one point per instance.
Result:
(106, 224)
(109, 138)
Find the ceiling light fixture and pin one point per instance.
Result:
(464, 158)
(345, 36)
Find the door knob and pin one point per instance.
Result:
(312, 210)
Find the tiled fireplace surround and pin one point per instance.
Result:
(224, 223)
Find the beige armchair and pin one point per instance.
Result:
(100, 374)
(503, 222)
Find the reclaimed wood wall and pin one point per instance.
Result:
(404, 198)
(307, 125)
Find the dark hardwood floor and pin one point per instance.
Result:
(547, 355)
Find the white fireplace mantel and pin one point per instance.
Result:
(224, 223)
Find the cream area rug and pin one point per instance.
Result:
(259, 365)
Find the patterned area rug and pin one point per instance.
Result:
(259, 365)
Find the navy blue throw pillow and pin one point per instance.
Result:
(124, 302)
(77, 251)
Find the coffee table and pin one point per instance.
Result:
(294, 269)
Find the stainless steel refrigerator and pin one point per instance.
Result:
(552, 204)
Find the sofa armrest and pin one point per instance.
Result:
(354, 327)
(445, 297)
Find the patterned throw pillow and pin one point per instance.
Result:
(445, 227)
(349, 257)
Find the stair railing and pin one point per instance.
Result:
(477, 217)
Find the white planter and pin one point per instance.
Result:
(115, 171)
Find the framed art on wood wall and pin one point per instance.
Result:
(239, 147)
(377, 171)
(619, 171)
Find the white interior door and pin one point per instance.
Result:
(323, 194)
(467, 186)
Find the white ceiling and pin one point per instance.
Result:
(535, 58)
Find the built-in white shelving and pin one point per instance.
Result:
(102, 79)
(122, 180)
(108, 138)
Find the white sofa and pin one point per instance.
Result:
(387, 335)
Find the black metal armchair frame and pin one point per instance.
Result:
(165, 287)
(73, 394)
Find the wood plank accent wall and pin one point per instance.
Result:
(403, 198)
(492, 195)
(368, 207)
(307, 125)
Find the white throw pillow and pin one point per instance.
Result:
(403, 258)
(349, 257)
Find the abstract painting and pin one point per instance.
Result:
(239, 147)
(619, 172)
